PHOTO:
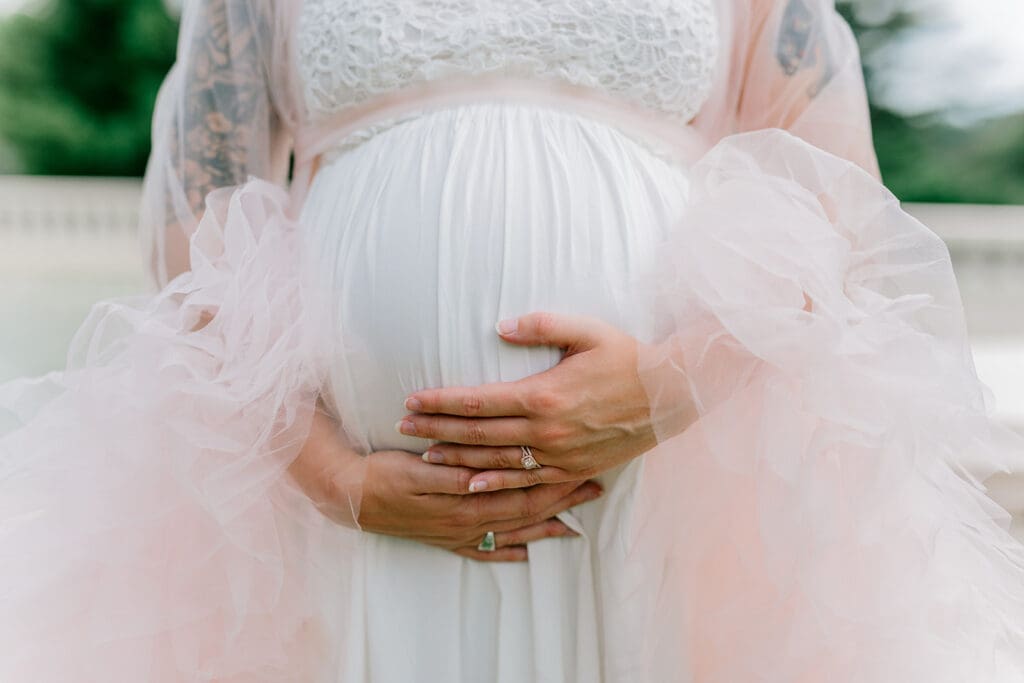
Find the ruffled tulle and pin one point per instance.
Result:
(148, 529)
(823, 520)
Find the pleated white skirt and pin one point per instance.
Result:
(428, 233)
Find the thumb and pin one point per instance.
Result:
(573, 332)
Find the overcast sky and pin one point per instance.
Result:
(972, 60)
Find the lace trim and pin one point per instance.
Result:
(660, 54)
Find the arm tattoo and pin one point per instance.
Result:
(799, 45)
(226, 107)
(795, 48)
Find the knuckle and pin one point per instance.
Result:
(533, 477)
(554, 436)
(466, 541)
(451, 456)
(462, 520)
(475, 433)
(570, 499)
(517, 394)
(474, 512)
(582, 465)
(544, 324)
(530, 505)
(453, 544)
(507, 458)
(553, 528)
(545, 401)
(464, 517)
(580, 496)
(425, 426)
(462, 478)
(472, 404)
(428, 401)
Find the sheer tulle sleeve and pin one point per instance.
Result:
(823, 518)
(221, 117)
(794, 65)
(151, 529)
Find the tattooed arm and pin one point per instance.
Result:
(228, 117)
(802, 73)
(793, 32)
(215, 123)
(799, 48)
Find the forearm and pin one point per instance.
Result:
(662, 368)
(330, 471)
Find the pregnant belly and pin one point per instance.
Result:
(430, 232)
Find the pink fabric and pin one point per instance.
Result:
(824, 102)
(149, 529)
(814, 524)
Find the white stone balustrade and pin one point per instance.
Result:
(65, 243)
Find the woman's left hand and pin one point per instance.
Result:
(584, 416)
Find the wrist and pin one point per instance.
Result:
(672, 404)
(330, 471)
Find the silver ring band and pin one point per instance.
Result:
(529, 462)
(489, 544)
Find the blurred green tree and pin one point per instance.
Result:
(78, 79)
(77, 83)
(927, 159)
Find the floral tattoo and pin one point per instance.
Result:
(799, 45)
(226, 108)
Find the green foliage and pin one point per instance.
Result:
(928, 161)
(78, 79)
(77, 83)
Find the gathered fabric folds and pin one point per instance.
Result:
(823, 519)
(148, 529)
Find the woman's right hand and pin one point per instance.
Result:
(404, 496)
(401, 495)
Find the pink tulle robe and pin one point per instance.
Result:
(817, 523)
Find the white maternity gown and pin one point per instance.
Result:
(430, 230)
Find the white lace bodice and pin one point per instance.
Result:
(657, 53)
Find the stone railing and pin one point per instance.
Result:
(55, 206)
(68, 207)
(65, 243)
(88, 227)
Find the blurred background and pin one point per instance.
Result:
(78, 79)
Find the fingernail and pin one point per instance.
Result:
(405, 427)
(509, 326)
(413, 404)
(595, 492)
(434, 457)
(478, 486)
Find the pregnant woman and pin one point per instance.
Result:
(579, 342)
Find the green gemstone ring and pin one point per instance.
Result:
(488, 545)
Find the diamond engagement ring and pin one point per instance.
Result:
(529, 462)
(488, 545)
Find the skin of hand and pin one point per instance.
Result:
(582, 417)
(400, 495)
